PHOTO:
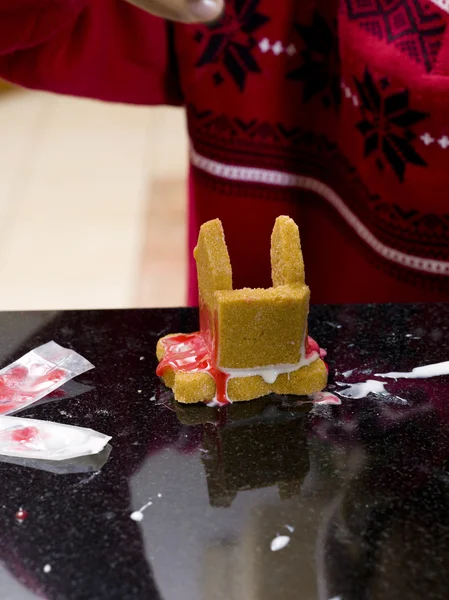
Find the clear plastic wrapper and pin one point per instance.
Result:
(92, 463)
(44, 440)
(69, 390)
(37, 374)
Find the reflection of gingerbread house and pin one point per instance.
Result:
(267, 449)
(257, 337)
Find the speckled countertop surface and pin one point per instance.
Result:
(358, 492)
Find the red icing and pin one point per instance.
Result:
(21, 515)
(312, 346)
(190, 353)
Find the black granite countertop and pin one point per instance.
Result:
(359, 492)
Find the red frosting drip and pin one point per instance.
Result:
(191, 354)
(312, 346)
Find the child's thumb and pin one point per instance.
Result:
(187, 11)
(204, 10)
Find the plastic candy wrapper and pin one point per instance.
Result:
(69, 390)
(93, 463)
(33, 439)
(37, 374)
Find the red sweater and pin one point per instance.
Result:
(333, 112)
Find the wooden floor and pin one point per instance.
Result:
(92, 204)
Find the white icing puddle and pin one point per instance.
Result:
(435, 370)
(372, 386)
(360, 390)
(279, 542)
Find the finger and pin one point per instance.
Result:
(186, 11)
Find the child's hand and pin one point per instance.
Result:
(187, 11)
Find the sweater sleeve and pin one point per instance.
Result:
(103, 49)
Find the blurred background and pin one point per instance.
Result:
(92, 203)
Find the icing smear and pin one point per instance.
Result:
(324, 398)
(427, 371)
(360, 390)
(191, 353)
(373, 386)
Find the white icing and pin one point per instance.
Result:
(348, 373)
(336, 325)
(47, 568)
(214, 403)
(435, 370)
(137, 516)
(360, 390)
(270, 373)
(279, 542)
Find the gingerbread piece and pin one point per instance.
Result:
(287, 265)
(214, 270)
(252, 341)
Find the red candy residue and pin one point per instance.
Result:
(25, 435)
(22, 385)
(21, 515)
(190, 353)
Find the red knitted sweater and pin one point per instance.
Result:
(333, 112)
